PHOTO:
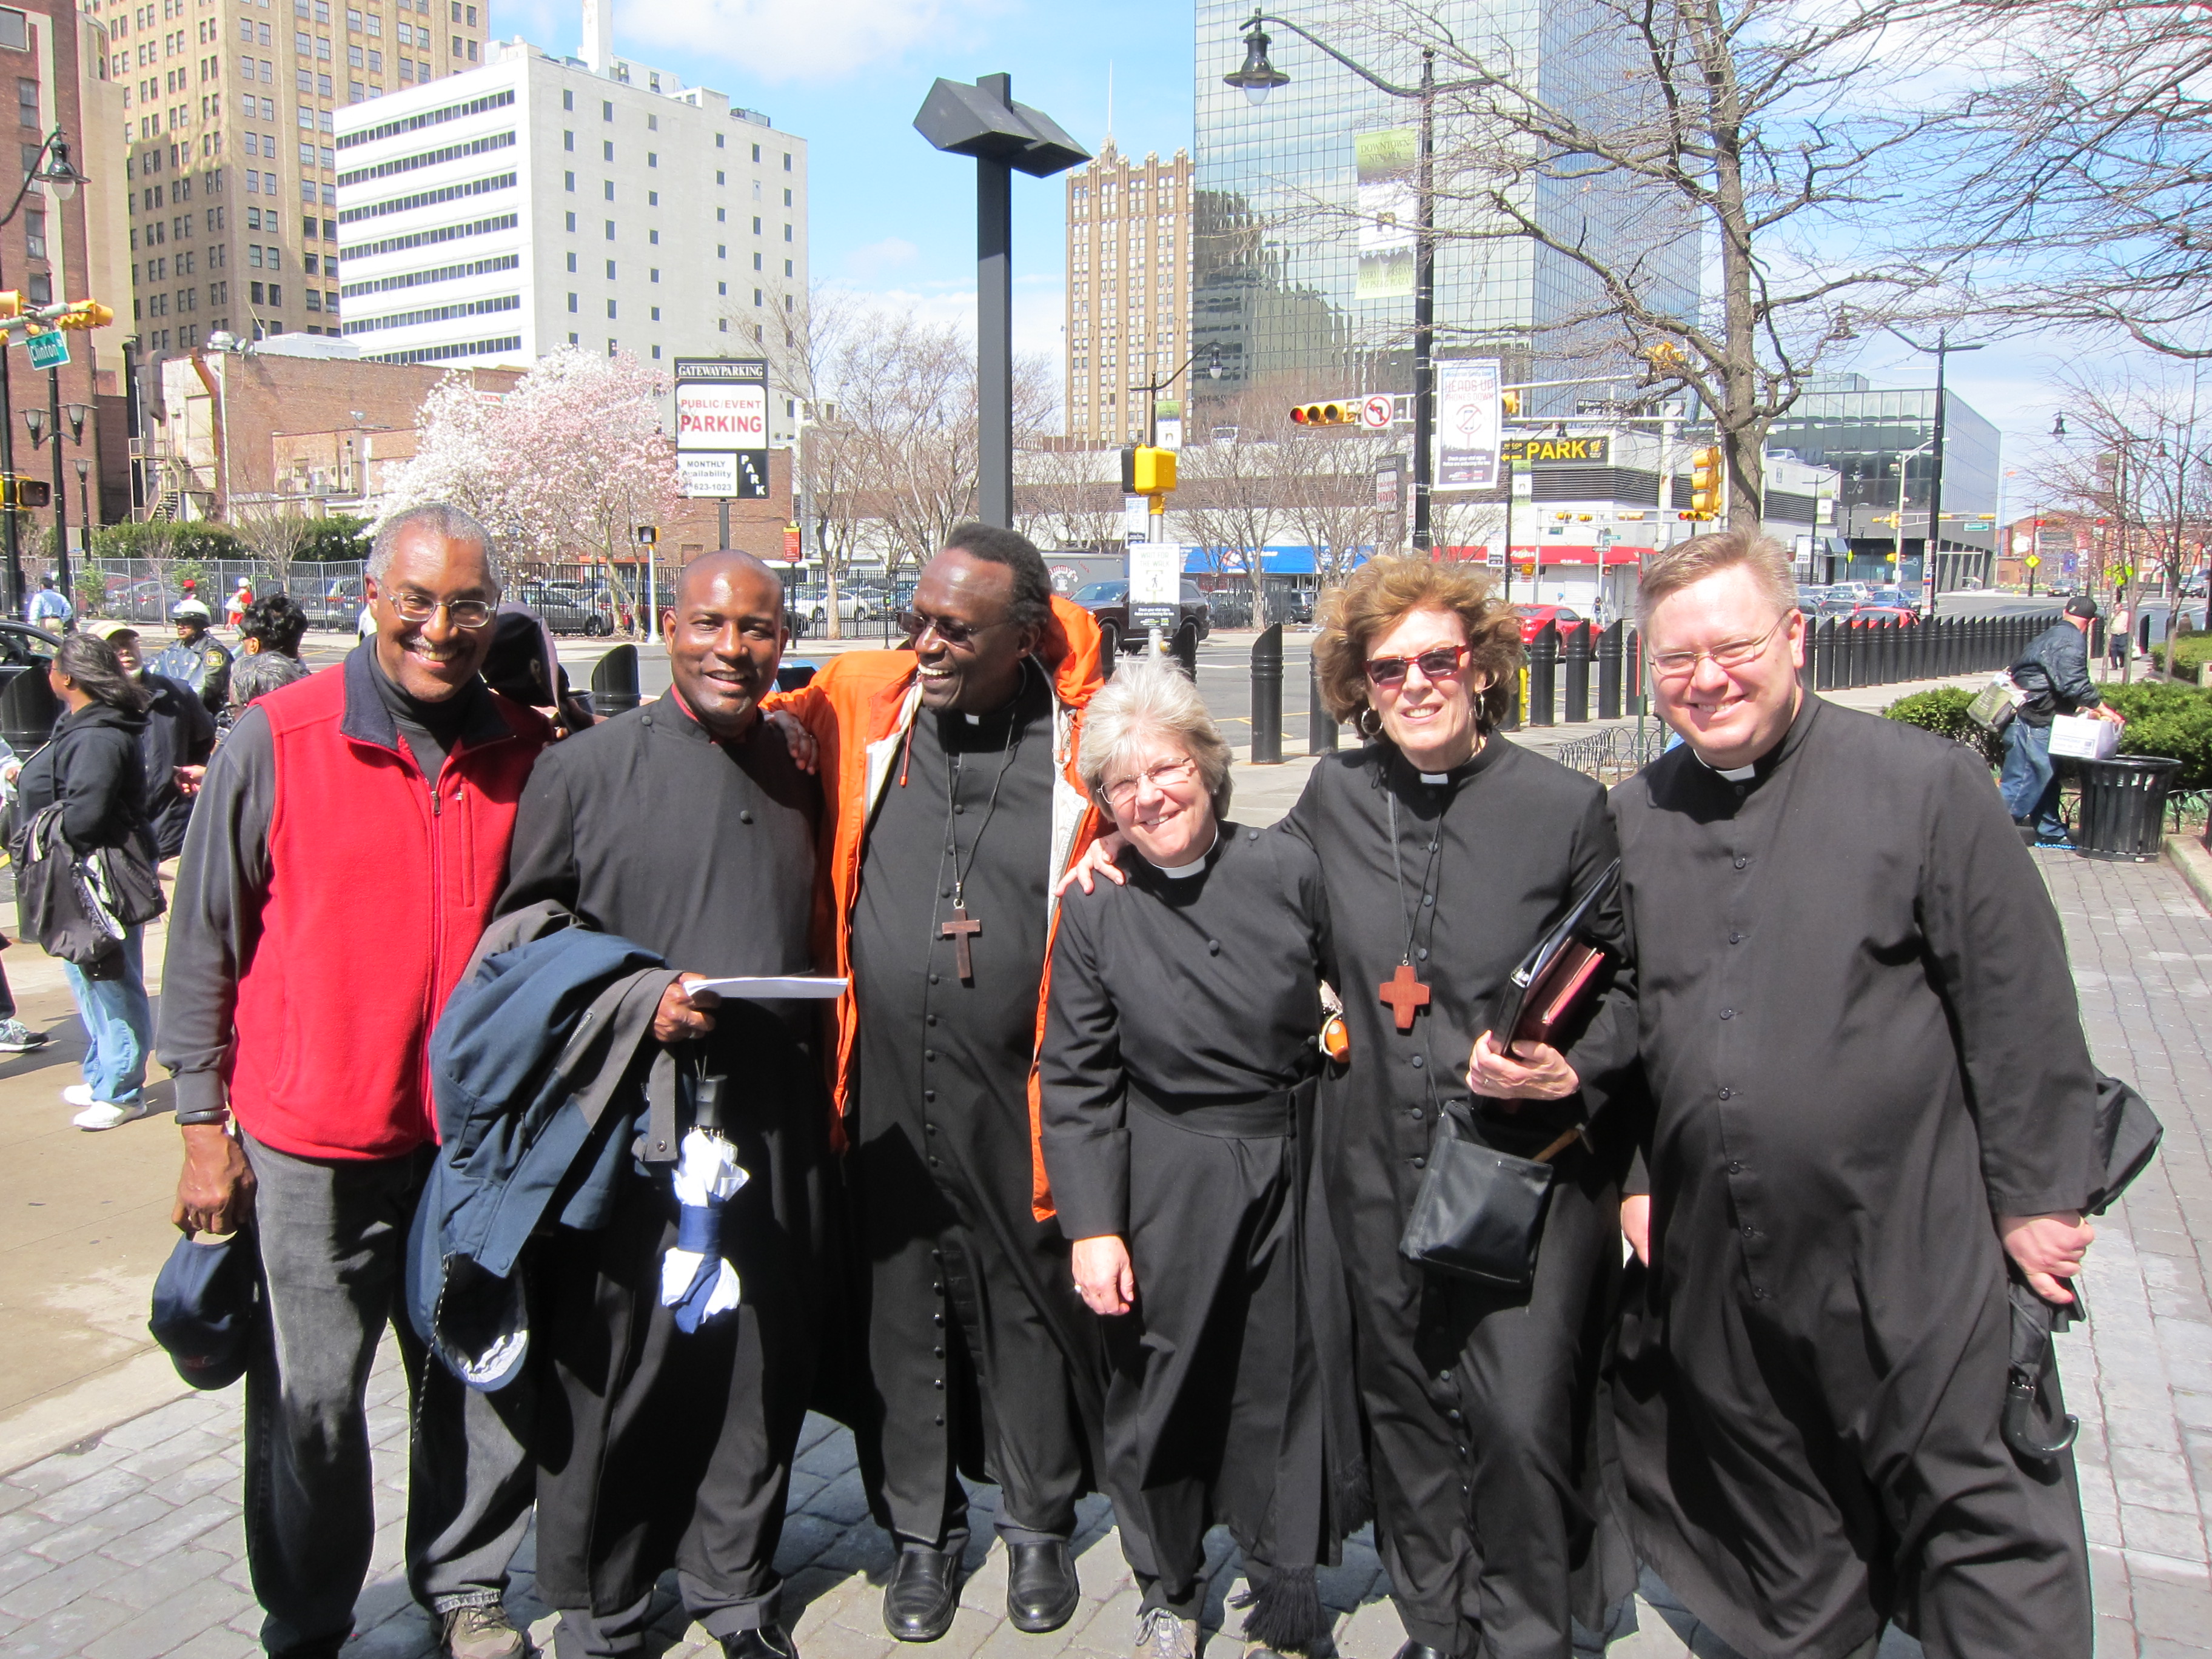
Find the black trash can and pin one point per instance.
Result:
(2123, 806)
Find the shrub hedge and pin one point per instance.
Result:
(2163, 718)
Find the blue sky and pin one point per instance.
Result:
(893, 218)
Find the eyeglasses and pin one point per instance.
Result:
(1440, 664)
(914, 623)
(1731, 654)
(421, 607)
(1163, 776)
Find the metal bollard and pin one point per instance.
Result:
(1185, 649)
(614, 682)
(1576, 654)
(1608, 671)
(1809, 672)
(1823, 640)
(1268, 697)
(1321, 729)
(1543, 669)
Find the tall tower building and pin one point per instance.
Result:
(539, 202)
(231, 129)
(1129, 276)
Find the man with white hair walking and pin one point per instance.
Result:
(350, 839)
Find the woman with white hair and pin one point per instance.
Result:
(1177, 1082)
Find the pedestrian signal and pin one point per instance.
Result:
(1147, 471)
(11, 303)
(1510, 402)
(1341, 414)
(1705, 484)
(32, 492)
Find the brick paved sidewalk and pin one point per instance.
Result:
(127, 1545)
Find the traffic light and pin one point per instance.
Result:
(81, 314)
(1147, 471)
(1336, 414)
(1510, 402)
(28, 492)
(1705, 484)
(11, 303)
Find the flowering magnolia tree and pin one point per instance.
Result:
(561, 469)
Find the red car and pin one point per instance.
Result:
(1533, 617)
(1880, 613)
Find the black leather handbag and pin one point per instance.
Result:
(1480, 1212)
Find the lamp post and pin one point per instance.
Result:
(50, 166)
(1941, 349)
(83, 507)
(1152, 390)
(984, 122)
(1256, 78)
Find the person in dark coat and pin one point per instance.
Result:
(179, 738)
(1873, 1104)
(2054, 673)
(683, 827)
(269, 635)
(93, 767)
(1447, 852)
(198, 658)
(1178, 1066)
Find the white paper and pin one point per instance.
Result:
(774, 989)
(2082, 737)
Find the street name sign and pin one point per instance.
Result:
(49, 350)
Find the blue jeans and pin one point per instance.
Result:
(2029, 783)
(118, 1024)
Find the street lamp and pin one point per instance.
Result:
(983, 121)
(1152, 390)
(1256, 78)
(1941, 348)
(51, 166)
(83, 507)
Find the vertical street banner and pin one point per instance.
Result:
(1386, 162)
(1467, 416)
(721, 428)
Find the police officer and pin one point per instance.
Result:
(198, 658)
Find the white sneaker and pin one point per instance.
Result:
(1161, 1635)
(106, 1114)
(77, 1094)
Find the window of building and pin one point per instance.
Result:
(724, 325)
(652, 198)
(568, 141)
(756, 263)
(572, 302)
(610, 230)
(572, 222)
(606, 109)
(787, 232)
(653, 237)
(756, 297)
(570, 179)
(721, 288)
(656, 316)
(607, 149)
(26, 101)
(41, 289)
(568, 101)
(656, 351)
(608, 186)
(787, 198)
(611, 271)
(719, 178)
(35, 236)
(786, 161)
(611, 310)
(572, 261)
(755, 152)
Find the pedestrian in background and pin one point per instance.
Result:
(93, 767)
(2054, 673)
(352, 838)
(49, 608)
(199, 660)
(235, 612)
(269, 632)
(179, 737)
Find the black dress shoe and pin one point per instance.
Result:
(768, 1642)
(1416, 1650)
(1041, 1588)
(920, 1601)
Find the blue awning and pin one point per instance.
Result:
(1275, 560)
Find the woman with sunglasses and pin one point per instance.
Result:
(1177, 1106)
(1445, 853)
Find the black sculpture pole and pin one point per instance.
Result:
(995, 325)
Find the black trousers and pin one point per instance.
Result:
(1212, 1411)
(1480, 1403)
(657, 1448)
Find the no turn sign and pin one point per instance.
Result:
(1375, 412)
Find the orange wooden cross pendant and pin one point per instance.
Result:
(1404, 994)
(958, 930)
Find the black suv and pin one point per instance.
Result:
(1109, 602)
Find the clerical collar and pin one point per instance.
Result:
(1196, 867)
(1734, 774)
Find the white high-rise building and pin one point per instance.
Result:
(536, 202)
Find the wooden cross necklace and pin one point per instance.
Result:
(1403, 992)
(962, 927)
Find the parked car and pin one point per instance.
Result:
(1809, 598)
(1533, 617)
(1904, 599)
(571, 607)
(335, 604)
(855, 603)
(1109, 602)
(1883, 613)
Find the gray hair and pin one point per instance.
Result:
(443, 520)
(1151, 697)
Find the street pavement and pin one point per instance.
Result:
(119, 1531)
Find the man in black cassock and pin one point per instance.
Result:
(684, 826)
(953, 763)
(1871, 1089)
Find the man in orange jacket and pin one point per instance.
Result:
(949, 772)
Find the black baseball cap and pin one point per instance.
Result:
(207, 1303)
(2080, 605)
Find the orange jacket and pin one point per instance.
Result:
(858, 708)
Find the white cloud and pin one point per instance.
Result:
(782, 40)
(876, 259)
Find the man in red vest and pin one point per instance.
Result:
(350, 840)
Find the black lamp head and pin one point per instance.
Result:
(1257, 77)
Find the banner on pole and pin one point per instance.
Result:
(1388, 210)
(1467, 416)
(721, 428)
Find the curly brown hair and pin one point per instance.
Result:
(1383, 593)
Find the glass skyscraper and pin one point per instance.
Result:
(1276, 282)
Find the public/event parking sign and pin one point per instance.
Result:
(722, 426)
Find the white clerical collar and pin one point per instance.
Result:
(1185, 872)
(973, 720)
(1436, 777)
